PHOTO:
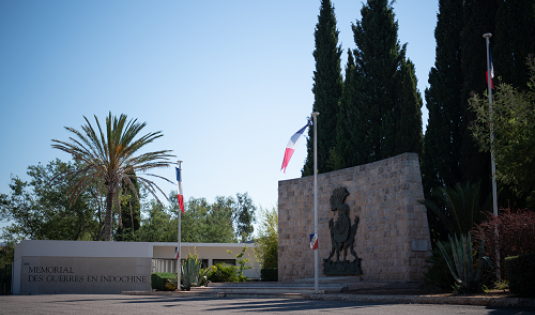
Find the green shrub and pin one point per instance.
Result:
(269, 274)
(521, 274)
(224, 273)
(158, 280)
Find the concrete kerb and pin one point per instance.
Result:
(349, 297)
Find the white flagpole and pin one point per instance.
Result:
(487, 37)
(316, 255)
(179, 248)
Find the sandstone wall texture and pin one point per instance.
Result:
(393, 234)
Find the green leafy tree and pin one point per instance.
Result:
(40, 211)
(206, 223)
(157, 224)
(267, 243)
(110, 157)
(513, 121)
(327, 89)
(194, 225)
(219, 221)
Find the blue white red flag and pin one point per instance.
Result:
(177, 253)
(313, 241)
(491, 70)
(180, 195)
(291, 146)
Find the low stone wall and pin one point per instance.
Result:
(392, 237)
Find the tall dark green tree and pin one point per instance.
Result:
(130, 212)
(443, 136)
(514, 41)
(352, 143)
(389, 84)
(244, 217)
(327, 89)
(479, 18)
(409, 115)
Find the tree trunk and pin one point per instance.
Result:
(107, 220)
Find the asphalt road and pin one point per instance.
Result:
(131, 305)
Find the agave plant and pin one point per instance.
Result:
(461, 264)
(191, 274)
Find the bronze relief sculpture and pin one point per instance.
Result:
(342, 238)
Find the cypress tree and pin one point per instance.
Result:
(389, 84)
(327, 89)
(479, 18)
(351, 143)
(130, 212)
(443, 136)
(409, 115)
(514, 40)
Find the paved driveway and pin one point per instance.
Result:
(131, 305)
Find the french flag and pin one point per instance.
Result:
(491, 70)
(291, 146)
(180, 195)
(313, 241)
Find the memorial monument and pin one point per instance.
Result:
(371, 225)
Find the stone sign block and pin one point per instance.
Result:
(55, 267)
(55, 275)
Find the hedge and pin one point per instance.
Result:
(521, 274)
(269, 274)
(159, 280)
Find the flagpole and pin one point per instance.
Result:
(316, 254)
(179, 248)
(487, 37)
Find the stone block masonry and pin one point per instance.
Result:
(393, 234)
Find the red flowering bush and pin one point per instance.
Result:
(516, 234)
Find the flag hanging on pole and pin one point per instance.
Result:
(291, 146)
(177, 253)
(180, 196)
(313, 241)
(491, 70)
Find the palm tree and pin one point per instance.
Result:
(109, 158)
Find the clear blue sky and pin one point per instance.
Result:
(227, 82)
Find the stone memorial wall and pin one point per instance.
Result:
(392, 239)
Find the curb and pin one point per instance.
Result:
(363, 298)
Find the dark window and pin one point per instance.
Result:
(204, 263)
(225, 261)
